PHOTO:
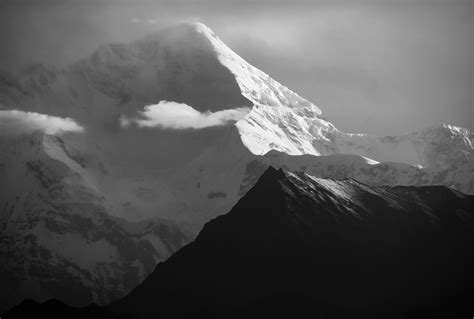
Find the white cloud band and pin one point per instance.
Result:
(15, 121)
(172, 115)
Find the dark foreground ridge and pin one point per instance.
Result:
(296, 245)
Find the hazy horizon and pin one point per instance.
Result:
(386, 67)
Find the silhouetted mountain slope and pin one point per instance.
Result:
(55, 309)
(298, 245)
(343, 245)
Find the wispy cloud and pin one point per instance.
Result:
(178, 116)
(149, 21)
(15, 121)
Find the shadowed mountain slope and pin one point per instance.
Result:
(300, 245)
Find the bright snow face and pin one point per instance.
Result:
(283, 121)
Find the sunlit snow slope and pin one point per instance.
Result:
(283, 121)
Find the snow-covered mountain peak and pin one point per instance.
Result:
(256, 85)
(188, 63)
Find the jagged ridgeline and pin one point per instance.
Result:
(86, 215)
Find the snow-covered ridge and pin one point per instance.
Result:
(283, 121)
(282, 129)
(256, 85)
(122, 78)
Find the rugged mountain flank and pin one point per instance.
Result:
(59, 237)
(300, 245)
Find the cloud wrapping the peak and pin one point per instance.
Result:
(15, 121)
(178, 116)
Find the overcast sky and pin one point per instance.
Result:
(382, 67)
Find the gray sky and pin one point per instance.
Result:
(382, 67)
